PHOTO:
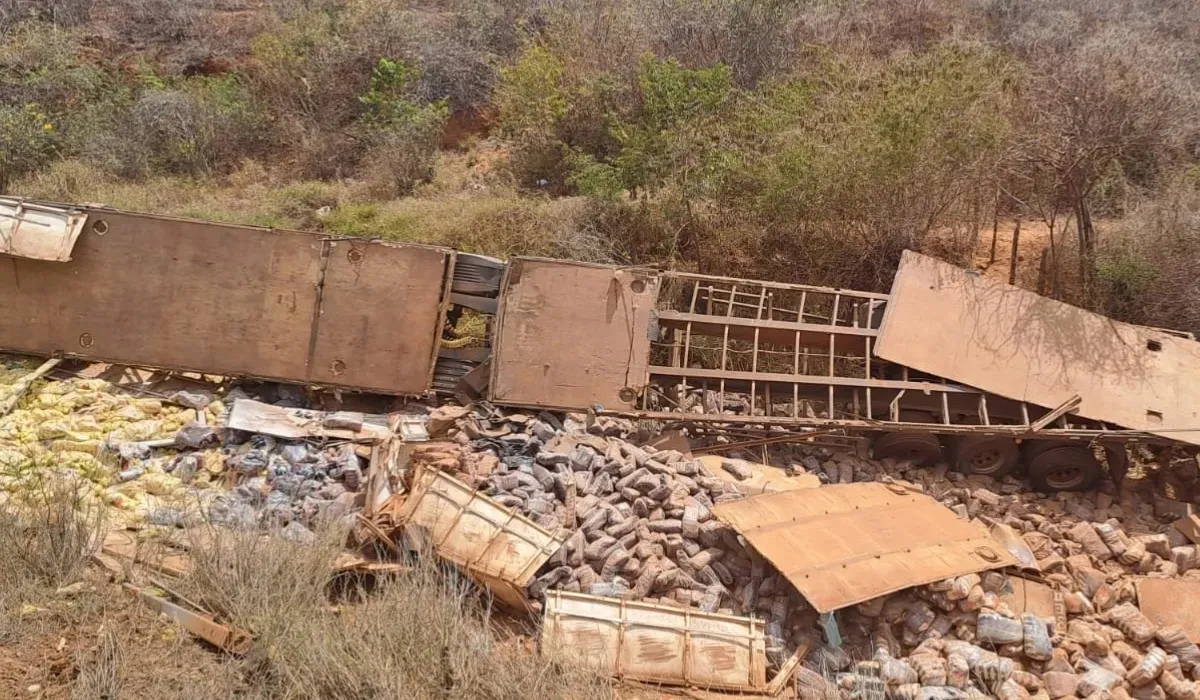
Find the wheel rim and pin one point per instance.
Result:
(986, 461)
(1064, 477)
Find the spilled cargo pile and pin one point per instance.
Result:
(832, 575)
(168, 460)
(1072, 613)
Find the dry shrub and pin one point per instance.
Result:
(49, 532)
(1148, 264)
(101, 673)
(425, 634)
(260, 582)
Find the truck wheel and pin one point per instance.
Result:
(1068, 468)
(921, 449)
(985, 455)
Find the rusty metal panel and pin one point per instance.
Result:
(1171, 601)
(169, 293)
(572, 335)
(655, 643)
(956, 324)
(39, 231)
(232, 300)
(380, 320)
(497, 546)
(844, 544)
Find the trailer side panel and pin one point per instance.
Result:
(572, 335)
(957, 324)
(231, 300)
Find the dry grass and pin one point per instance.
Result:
(100, 676)
(421, 635)
(49, 533)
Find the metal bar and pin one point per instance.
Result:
(833, 315)
(1058, 413)
(762, 296)
(983, 410)
(796, 370)
(679, 318)
(818, 380)
(894, 407)
(1075, 434)
(867, 373)
(687, 340)
(778, 285)
(945, 409)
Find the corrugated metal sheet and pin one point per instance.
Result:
(655, 643)
(968, 328)
(498, 547)
(845, 544)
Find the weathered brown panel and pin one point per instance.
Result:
(655, 643)
(572, 334)
(169, 293)
(232, 300)
(847, 543)
(380, 311)
(956, 324)
(1168, 601)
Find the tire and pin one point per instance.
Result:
(922, 449)
(1064, 468)
(1033, 448)
(992, 456)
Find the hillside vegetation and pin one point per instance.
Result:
(798, 140)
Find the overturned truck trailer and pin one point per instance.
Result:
(950, 365)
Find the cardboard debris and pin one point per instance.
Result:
(298, 423)
(656, 643)
(1029, 596)
(498, 547)
(672, 440)
(1171, 601)
(1010, 540)
(846, 544)
(121, 544)
(1189, 526)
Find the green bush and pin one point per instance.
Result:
(28, 141)
(403, 131)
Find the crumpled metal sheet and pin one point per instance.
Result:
(848, 543)
(39, 231)
(497, 547)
